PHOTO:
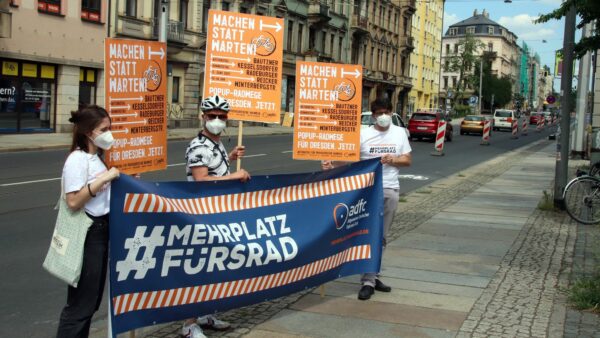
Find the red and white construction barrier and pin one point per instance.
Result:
(515, 129)
(540, 125)
(440, 137)
(525, 123)
(485, 136)
(554, 120)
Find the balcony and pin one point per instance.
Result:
(409, 6)
(175, 31)
(318, 12)
(359, 24)
(408, 42)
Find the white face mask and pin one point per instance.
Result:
(384, 120)
(104, 140)
(216, 126)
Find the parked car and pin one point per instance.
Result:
(472, 124)
(425, 124)
(535, 117)
(503, 119)
(366, 121)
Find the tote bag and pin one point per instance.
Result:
(65, 255)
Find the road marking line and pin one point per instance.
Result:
(287, 151)
(29, 182)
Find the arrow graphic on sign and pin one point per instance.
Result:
(227, 70)
(229, 58)
(231, 64)
(127, 99)
(233, 77)
(123, 115)
(313, 110)
(126, 131)
(319, 116)
(130, 122)
(161, 53)
(315, 104)
(277, 26)
(356, 73)
(120, 107)
(307, 127)
(321, 122)
(223, 82)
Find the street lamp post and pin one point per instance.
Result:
(480, 81)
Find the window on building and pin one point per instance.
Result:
(372, 60)
(454, 81)
(389, 20)
(290, 38)
(225, 6)
(131, 8)
(331, 44)
(49, 6)
(491, 30)
(340, 43)
(205, 9)
(175, 89)
(90, 10)
(490, 47)
(244, 9)
(447, 48)
(183, 12)
(452, 31)
(445, 82)
(311, 38)
(470, 30)
(456, 49)
(87, 87)
(300, 37)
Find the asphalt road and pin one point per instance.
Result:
(29, 188)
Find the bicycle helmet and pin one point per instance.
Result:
(214, 102)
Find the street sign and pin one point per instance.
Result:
(473, 100)
(136, 100)
(551, 99)
(244, 64)
(327, 119)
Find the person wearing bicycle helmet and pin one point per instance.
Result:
(207, 160)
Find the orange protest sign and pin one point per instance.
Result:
(244, 64)
(136, 99)
(327, 119)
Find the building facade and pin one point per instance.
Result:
(51, 54)
(495, 39)
(427, 25)
(53, 60)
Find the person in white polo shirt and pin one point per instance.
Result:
(390, 143)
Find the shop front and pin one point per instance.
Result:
(27, 97)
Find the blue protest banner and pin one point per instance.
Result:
(183, 249)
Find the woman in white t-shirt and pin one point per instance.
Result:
(86, 184)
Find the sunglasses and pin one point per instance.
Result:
(214, 116)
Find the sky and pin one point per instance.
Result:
(518, 17)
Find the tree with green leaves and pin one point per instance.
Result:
(463, 63)
(588, 11)
(499, 88)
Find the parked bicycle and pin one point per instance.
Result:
(582, 196)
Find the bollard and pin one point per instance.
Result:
(524, 131)
(554, 120)
(439, 139)
(485, 136)
(540, 125)
(515, 129)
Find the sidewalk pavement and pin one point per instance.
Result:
(468, 256)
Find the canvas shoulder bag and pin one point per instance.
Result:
(65, 255)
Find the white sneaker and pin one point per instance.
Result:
(192, 331)
(211, 322)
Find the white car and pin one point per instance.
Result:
(366, 121)
(503, 119)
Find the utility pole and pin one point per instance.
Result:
(480, 81)
(582, 96)
(562, 145)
